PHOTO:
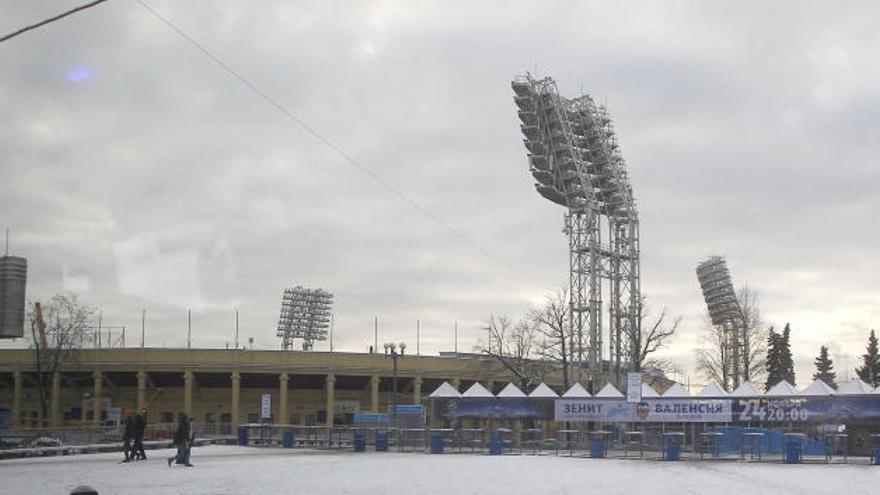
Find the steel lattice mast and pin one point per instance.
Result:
(574, 156)
(305, 314)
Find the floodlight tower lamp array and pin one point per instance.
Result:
(574, 157)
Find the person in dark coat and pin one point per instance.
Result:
(140, 425)
(127, 436)
(182, 440)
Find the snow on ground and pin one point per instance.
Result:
(243, 470)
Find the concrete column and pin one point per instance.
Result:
(236, 394)
(456, 384)
(282, 399)
(331, 399)
(55, 400)
(98, 377)
(374, 393)
(16, 398)
(142, 389)
(490, 384)
(188, 392)
(417, 390)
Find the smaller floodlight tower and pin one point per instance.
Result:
(305, 314)
(726, 313)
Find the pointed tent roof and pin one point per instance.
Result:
(648, 392)
(477, 390)
(676, 390)
(712, 390)
(746, 390)
(854, 387)
(576, 391)
(543, 390)
(445, 390)
(817, 388)
(876, 390)
(782, 388)
(608, 391)
(511, 390)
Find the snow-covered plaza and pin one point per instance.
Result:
(243, 470)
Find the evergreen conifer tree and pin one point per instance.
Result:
(786, 362)
(825, 368)
(869, 372)
(773, 373)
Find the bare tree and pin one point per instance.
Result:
(515, 347)
(56, 329)
(712, 355)
(557, 343)
(715, 355)
(650, 338)
(754, 337)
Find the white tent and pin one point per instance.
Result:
(477, 390)
(876, 390)
(543, 390)
(648, 392)
(854, 387)
(577, 391)
(712, 390)
(782, 389)
(746, 390)
(445, 390)
(676, 390)
(817, 388)
(609, 392)
(511, 390)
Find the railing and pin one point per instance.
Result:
(71, 436)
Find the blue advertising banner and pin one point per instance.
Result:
(811, 409)
(817, 410)
(649, 411)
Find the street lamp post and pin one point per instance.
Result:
(391, 351)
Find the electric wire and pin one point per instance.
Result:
(50, 20)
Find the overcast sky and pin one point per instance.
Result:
(139, 174)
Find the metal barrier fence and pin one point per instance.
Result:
(648, 443)
(69, 436)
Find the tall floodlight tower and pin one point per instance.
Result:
(305, 314)
(725, 313)
(574, 157)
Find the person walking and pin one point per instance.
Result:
(182, 439)
(127, 436)
(140, 426)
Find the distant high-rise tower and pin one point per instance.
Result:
(13, 278)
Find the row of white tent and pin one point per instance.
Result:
(782, 389)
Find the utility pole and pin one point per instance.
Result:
(189, 329)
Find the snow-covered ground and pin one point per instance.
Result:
(234, 470)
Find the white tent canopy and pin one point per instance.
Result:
(543, 390)
(445, 390)
(676, 390)
(648, 392)
(511, 390)
(477, 390)
(854, 387)
(782, 389)
(608, 391)
(746, 390)
(577, 391)
(817, 388)
(712, 390)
